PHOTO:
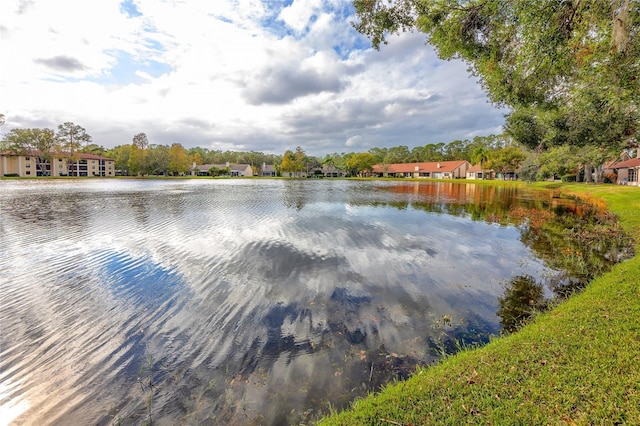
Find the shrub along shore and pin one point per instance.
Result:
(578, 363)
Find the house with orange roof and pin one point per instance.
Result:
(629, 171)
(433, 170)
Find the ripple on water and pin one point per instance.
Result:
(229, 301)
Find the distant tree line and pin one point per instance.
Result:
(500, 153)
(142, 157)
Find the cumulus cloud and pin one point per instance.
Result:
(287, 75)
(298, 14)
(232, 74)
(282, 85)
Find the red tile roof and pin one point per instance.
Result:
(634, 162)
(95, 157)
(58, 155)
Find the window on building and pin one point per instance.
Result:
(633, 175)
(28, 165)
(28, 172)
(27, 158)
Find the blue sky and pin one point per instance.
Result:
(230, 74)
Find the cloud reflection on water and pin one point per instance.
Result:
(254, 300)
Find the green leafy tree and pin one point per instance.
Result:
(480, 155)
(333, 160)
(178, 159)
(433, 152)
(397, 154)
(557, 162)
(357, 164)
(531, 128)
(71, 138)
(567, 67)
(197, 155)
(288, 164)
(506, 160)
(39, 144)
(529, 168)
(217, 171)
(195, 158)
(156, 160)
(120, 154)
(300, 160)
(594, 158)
(135, 163)
(417, 154)
(141, 140)
(379, 153)
(93, 149)
(457, 150)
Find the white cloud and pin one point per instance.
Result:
(238, 74)
(298, 14)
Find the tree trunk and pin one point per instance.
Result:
(587, 173)
(599, 173)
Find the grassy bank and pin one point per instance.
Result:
(577, 364)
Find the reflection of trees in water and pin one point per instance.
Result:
(64, 212)
(580, 246)
(577, 240)
(296, 195)
(523, 296)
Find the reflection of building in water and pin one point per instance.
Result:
(453, 192)
(497, 204)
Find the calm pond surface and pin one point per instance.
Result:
(249, 301)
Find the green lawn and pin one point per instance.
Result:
(576, 364)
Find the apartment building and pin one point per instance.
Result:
(32, 165)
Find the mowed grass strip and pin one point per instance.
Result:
(576, 364)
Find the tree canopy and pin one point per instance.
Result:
(567, 68)
(38, 143)
(71, 137)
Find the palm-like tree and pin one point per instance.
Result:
(480, 154)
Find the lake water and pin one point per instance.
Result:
(242, 301)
